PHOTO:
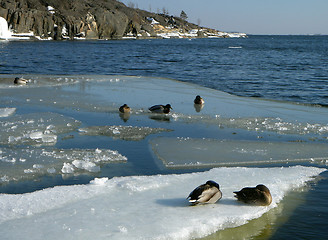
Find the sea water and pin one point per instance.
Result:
(84, 137)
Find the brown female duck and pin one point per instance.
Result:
(259, 195)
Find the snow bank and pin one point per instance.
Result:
(4, 31)
(142, 207)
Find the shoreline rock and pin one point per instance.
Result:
(95, 19)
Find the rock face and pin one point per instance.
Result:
(93, 19)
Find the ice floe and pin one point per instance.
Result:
(143, 207)
(197, 152)
(28, 163)
(128, 133)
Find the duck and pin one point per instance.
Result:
(259, 195)
(20, 81)
(199, 100)
(124, 109)
(206, 193)
(160, 108)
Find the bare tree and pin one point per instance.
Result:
(165, 11)
(131, 5)
(198, 21)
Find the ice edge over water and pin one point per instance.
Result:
(120, 208)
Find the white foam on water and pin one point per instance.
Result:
(143, 207)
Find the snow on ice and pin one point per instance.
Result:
(143, 207)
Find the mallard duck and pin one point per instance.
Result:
(259, 195)
(20, 81)
(124, 108)
(206, 193)
(160, 108)
(199, 100)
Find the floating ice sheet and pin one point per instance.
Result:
(142, 207)
(191, 152)
(128, 133)
(106, 93)
(5, 112)
(7, 81)
(28, 163)
(274, 125)
(35, 129)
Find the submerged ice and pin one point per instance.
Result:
(143, 207)
(28, 163)
(128, 133)
(35, 129)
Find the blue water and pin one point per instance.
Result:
(289, 68)
(286, 68)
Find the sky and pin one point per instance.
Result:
(248, 16)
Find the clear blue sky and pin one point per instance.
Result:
(248, 16)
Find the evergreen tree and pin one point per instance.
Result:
(183, 15)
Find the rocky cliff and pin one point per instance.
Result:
(94, 19)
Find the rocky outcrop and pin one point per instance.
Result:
(93, 19)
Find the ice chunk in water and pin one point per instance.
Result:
(5, 112)
(86, 165)
(36, 128)
(143, 207)
(67, 168)
(128, 133)
(28, 163)
(189, 152)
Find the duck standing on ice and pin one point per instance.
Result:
(259, 195)
(160, 108)
(206, 193)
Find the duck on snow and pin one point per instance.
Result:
(206, 193)
(259, 195)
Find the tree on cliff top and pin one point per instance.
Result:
(183, 15)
